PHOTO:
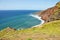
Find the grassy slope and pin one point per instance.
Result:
(48, 31)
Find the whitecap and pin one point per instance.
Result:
(37, 17)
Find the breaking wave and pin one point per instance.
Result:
(37, 17)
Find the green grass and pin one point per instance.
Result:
(47, 31)
(58, 4)
(6, 31)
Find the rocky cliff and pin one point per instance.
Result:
(51, 14)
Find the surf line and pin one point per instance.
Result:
(38, 17)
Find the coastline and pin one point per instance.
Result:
(39, 18)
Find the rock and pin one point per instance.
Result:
(51, 14)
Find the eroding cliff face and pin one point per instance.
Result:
(51, 14)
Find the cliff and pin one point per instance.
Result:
(51, 14)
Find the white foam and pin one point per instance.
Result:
(38, 17)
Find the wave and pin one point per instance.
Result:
(37, 17)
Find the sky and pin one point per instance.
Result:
(26, 4)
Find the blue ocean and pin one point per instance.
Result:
(18, 19)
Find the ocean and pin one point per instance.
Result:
(18, 19)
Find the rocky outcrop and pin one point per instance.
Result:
(51, 14)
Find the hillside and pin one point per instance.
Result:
(51, 14)
(48, 31)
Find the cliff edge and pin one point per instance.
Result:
(51, 14)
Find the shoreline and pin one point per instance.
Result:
(39, 18)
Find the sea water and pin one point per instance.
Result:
(18, 19)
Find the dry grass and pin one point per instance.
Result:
(48, 31)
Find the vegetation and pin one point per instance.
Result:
(58, 4)
(48, 31)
